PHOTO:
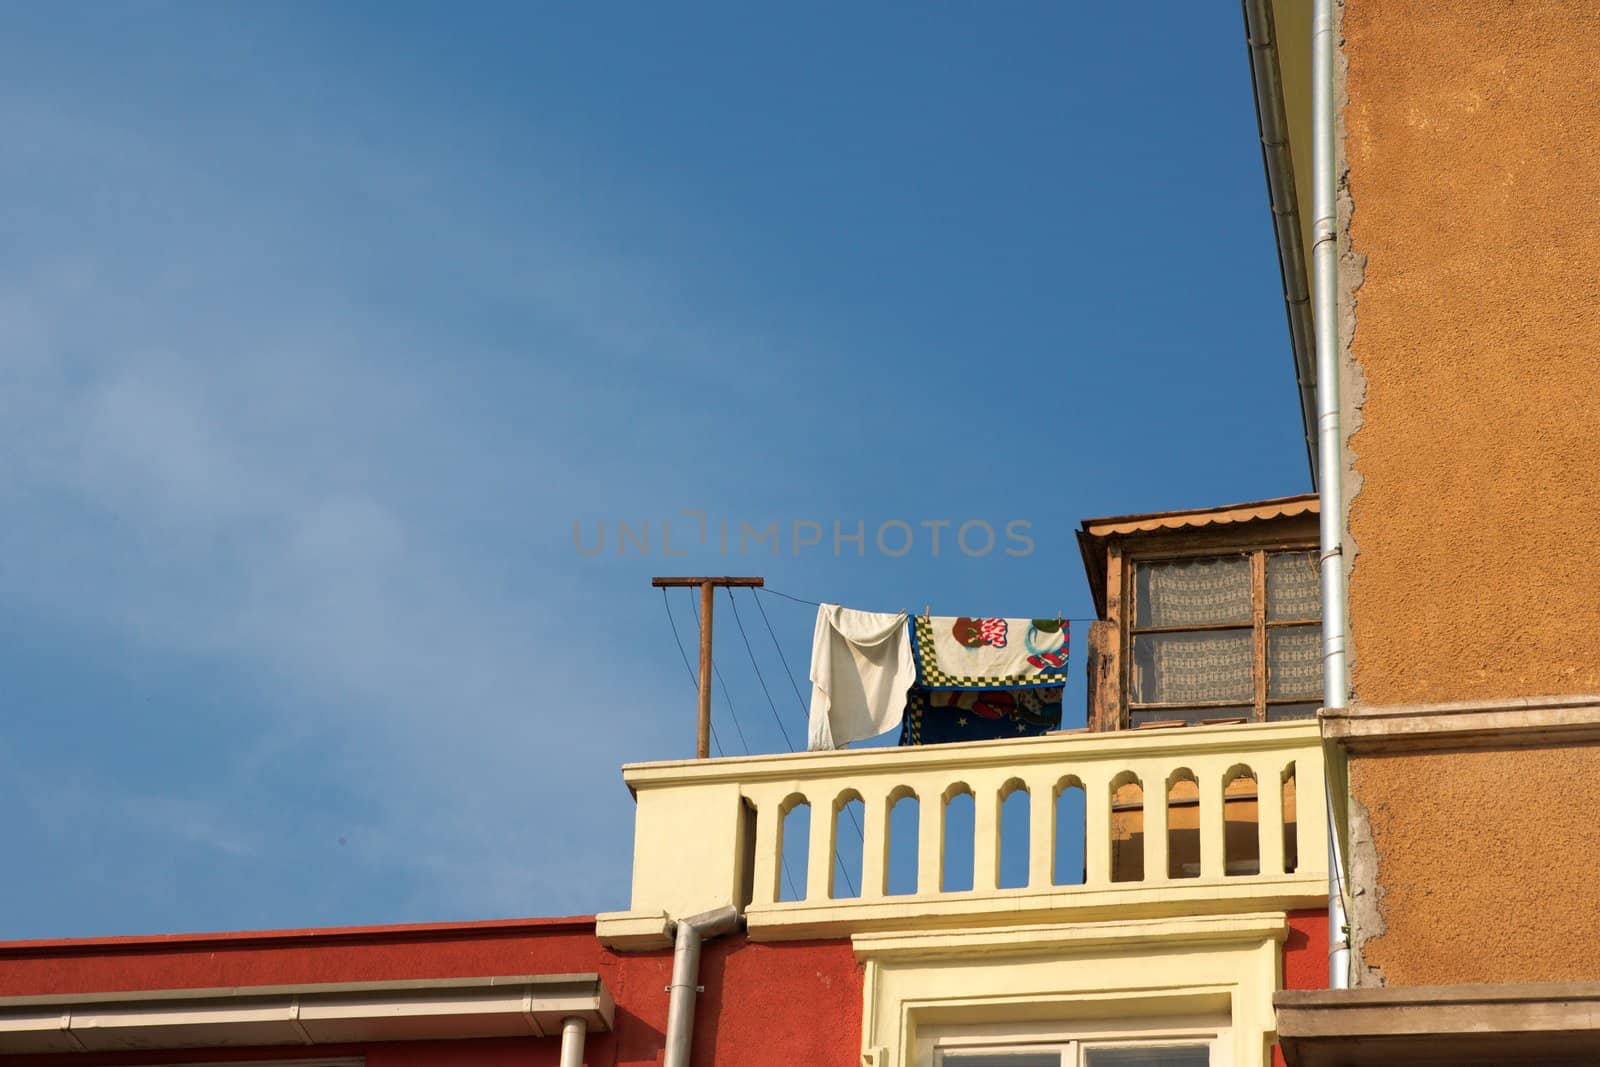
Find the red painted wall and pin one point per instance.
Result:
(1305, 957)
(764, 1004)
(286, 957)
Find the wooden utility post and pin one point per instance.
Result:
(708, 586)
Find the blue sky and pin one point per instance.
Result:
(321, 326)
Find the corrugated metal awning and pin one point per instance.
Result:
(1094, 533)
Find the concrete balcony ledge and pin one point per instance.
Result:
(710, 832)
(1544, 1024)
(792, 920)
(1495, 723)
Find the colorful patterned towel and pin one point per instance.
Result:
(987, 653)
(939, 716)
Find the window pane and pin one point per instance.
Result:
(1148, 1056)
(1185, 668)
(1002, 1059)
(1198, 592)
(1286, 712)
(1294, 662)
(1294, 588)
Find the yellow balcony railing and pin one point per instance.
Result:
(1175, 822)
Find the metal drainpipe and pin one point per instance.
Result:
(573, 1032)
(1330, 443)
(686, 978)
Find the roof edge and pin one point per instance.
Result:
(1261, 47)
(324, 934)
(1093, 533)
(1299, 504)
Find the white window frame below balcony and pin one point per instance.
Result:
(1213, 974)
(940, 1045)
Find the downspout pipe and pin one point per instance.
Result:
(691, 934)
(573, 1032)
(1330, 438)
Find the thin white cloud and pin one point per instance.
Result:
(205, 474)
(66, 801)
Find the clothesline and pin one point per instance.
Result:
(818, 604)
(939, 679)
(932, 699)
(772, 704)
(949, 678)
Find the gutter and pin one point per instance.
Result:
(322, 1013)
(1267, 83)
(691, 933)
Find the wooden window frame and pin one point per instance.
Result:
(1125, 563)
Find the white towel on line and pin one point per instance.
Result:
(861, 668)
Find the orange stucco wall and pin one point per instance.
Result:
(1473, 144)
(1472, 138)
(1486, 865)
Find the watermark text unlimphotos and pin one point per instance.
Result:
(692, 531)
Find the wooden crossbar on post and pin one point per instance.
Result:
(708, 586)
